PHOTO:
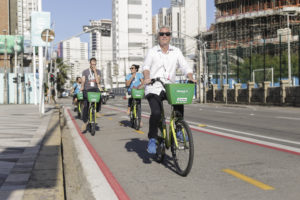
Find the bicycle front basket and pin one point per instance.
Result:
(94, 96)
(79, 96)
(180, 93)
(137, 94)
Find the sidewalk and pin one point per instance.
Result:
(30, 153)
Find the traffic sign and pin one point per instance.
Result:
(48, 32)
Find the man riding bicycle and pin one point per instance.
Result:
(91, 81)
(76, 89)
(161, 62)
(134, 80)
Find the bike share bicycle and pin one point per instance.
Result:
(93, 98)
(135, 109)
(79, 104)
(179, 138)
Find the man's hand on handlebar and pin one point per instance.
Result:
(147, 81)
(192, 81)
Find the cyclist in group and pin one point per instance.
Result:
(134, 80)
(161, 62)
(76, 89)
(90, 83)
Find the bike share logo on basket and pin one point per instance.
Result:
(182, 99)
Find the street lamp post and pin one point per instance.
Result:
(201, 53)
(288, 13)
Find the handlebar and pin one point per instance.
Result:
(159, 80)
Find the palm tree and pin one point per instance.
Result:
(62, 75)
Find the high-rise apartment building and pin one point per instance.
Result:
(4, 27)
(75, 54)
(101, 49)
(132, 35)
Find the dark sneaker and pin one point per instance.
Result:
(152, 146)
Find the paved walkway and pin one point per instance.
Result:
(22, 133)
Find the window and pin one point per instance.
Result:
(134, 16)
(134, 30)
(135, 44)
(135, 2)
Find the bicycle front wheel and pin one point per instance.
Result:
(183, 155)
(93, 121)
(79, 109)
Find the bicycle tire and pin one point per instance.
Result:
(93, 122)
(160, 150)
(183, 163)
(131, 118)
(79, 110)
(136, 124)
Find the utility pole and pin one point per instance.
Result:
(16, 71)
(41, 70)
(289, 50)
(5, 100)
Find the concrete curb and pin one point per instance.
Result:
(100, 188)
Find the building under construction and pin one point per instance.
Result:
(242, 21)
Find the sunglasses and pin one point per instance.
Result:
(164, 33)
(131, 68)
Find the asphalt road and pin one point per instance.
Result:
(241, 152)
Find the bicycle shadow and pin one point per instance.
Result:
(125, 123)
(139, 147)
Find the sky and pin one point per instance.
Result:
(70, 15)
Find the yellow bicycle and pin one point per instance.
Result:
(179, 137)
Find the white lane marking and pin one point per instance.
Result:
(249, 134)
(280, 146)
(291, 118)
(223, 112)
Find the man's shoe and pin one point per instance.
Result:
(83, 127)
(152, 146)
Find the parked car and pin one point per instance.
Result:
(111, 94)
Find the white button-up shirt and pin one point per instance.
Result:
(163, 65)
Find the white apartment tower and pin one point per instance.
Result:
(75, 54)
(24, 9)
(132, 35)
(187, 19)
(101, 49)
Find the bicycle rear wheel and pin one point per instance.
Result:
(160, 150)
(131, 117)
(183, 155)
(136, 123)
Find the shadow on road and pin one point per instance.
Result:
(125, 123)
(139, 146)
